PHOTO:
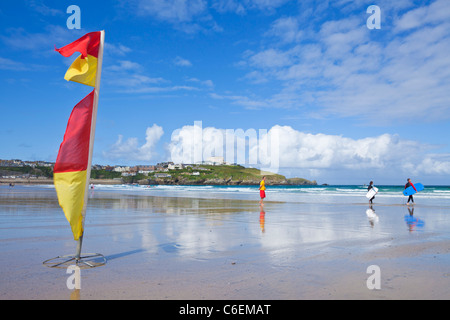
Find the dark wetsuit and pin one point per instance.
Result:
(410, 198)
(368, 189)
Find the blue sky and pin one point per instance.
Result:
(346, 103)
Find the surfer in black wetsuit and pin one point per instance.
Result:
(368, 189)
(410, 184)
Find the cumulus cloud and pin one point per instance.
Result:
(285, 150)
(130, 149)
(192, 144)
(284, 147)
(434, 164)
(322, 151)
(287, 29)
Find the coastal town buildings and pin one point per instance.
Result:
(159, 170)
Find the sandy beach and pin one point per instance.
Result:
(165, 247)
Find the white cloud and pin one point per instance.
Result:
(434, 164)
(8, 64)
(345, 70)
(223, 6)
(192, 16)
(436, 12)
(124, 66)
(174, 10)
(192, 144)
(248, 102)
(287, 29)
(44, 10)
(20, 39)
(130, 149)
(133, 82)
(187, 16)
(271, 58)
(241, 7)
(129, 77)
(306, 152)
(282, 149)
(116, 49)
(182, 62)
(322, 151)
(207, 83)
(158, 89)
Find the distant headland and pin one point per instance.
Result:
(166, 173)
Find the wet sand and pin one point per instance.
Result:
(192, 248)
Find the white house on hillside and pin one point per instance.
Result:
(121, 168)
(215, 161)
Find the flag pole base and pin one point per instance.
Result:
(86, 261)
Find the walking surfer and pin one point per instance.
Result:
(410, 184)
(262, 190)
(368, 189)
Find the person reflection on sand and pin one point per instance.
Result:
(413, 222)
(262, 218)
(372, 216)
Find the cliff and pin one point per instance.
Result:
(196, 175)
(222, 175)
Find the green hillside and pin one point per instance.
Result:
(222, 174)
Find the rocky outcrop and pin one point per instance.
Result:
(222, 182)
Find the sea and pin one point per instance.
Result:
(342, 194)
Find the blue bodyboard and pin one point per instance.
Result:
(410, 190)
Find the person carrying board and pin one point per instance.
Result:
(410, 184)
(368, 189)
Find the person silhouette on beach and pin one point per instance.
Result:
(262, 190)
(407, 185)
(368, 189)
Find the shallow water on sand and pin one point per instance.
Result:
(152, 239)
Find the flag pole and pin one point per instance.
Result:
(92, 138)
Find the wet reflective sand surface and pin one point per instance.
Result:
(160, 247)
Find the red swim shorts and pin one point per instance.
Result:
(262, 194)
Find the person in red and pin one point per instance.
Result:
(410, 184)
(262, 190)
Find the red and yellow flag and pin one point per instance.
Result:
(72, 167)
(84, 68)
(70, 170)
